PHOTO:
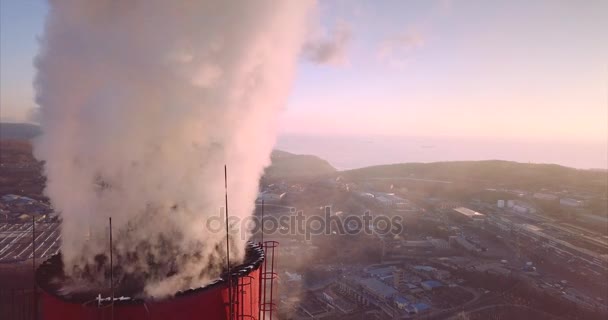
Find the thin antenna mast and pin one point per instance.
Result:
(228, 243)
(261, 306)
(111, 270)
(34, 266)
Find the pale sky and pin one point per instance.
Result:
(530, 69)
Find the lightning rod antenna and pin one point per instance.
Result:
(228, 242)
(111, 270)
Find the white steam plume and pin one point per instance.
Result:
(141, 105)
(331, 48)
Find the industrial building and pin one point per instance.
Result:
(558, 246)
(523, 207)
(545, 196)
(390, 200)
(459, 241)
(431, 285)
(338, 302)
(380, 272)
(269, 197)
(377, 288)
(466, 214)
(313, 307)
(401, 302)
(569, 202)
(402, 279)
(562, 247)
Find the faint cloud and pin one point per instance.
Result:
(445, 6)
(10, 113)
(329, 49)
(33, 115)
(207, 75)
(396, 50)
(358, 11)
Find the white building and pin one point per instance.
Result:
(500, 203)
(468, 214)
(522, 207)
(439, 243)
(293, 276)
(569, 202)
(391, 200)
(269, 197)
(401, 302)
(545, 196)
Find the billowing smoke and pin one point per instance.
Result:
(141, 104)
(330, 48)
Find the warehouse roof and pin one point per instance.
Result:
(468, 212)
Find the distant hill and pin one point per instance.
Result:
(496, 172)
(20, 131)
(285, 164)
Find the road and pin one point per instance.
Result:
(492, 306)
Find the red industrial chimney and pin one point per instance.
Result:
(252, 294)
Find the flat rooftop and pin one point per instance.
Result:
(377, 287)
(468, 212)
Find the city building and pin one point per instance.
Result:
(14, 199)
(378, 289)
(439, 244)
(350, 288)
(569, 202)
(545, 196)
(401, 302)
(460, 241)
(563, 248)
(292, 277)
(421, 307)
(313, 307)
(447, 205)
(389, 199)
(380, 272)
(269, 197)
(441, 274)
(431, 285)
(402, 279)
(467, 214)
(338, 302)
(428, 269)
(501, 223)
(592, 218)
(523, 208)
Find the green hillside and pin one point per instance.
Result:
(496, 172)
(285, 164)
(24, 131)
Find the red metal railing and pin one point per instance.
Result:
(268, 274)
